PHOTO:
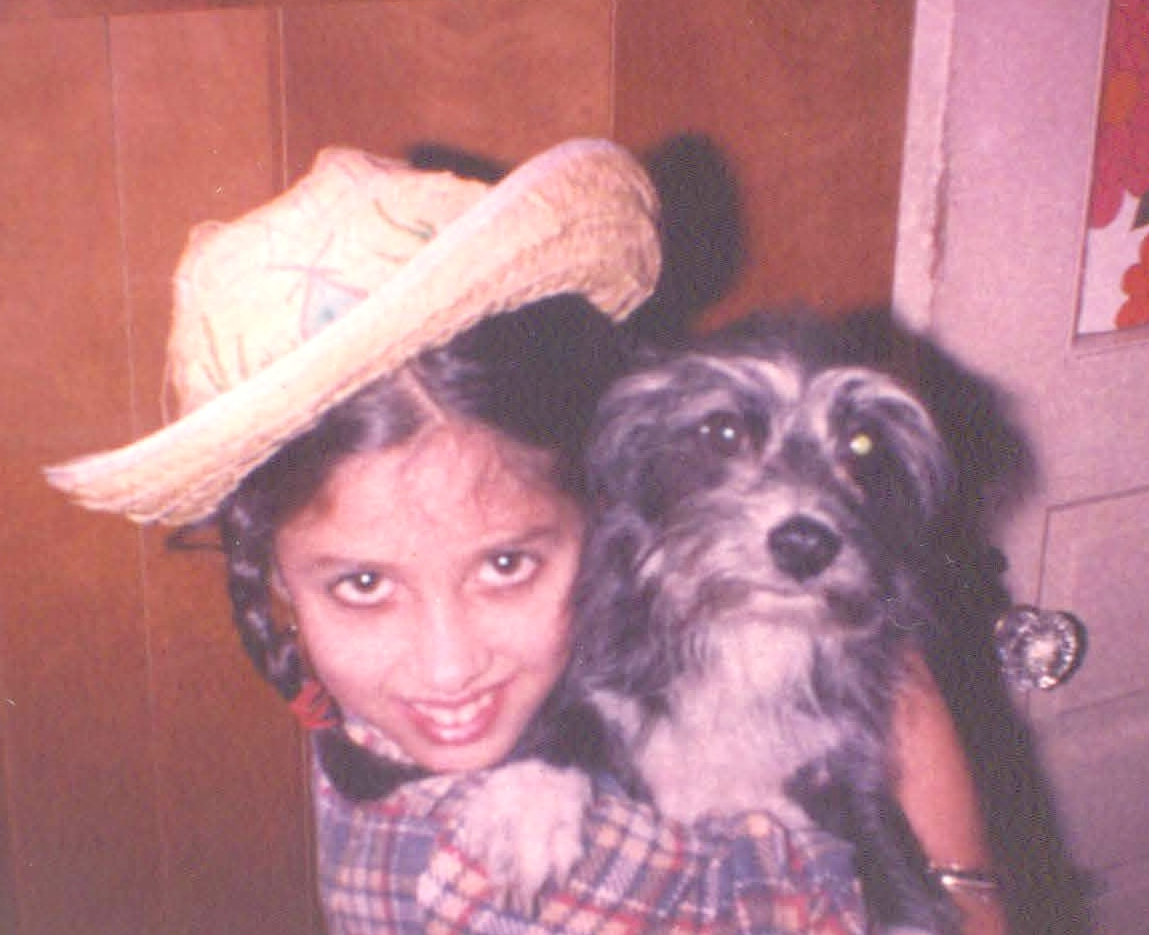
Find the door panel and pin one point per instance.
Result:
(197, 130)
(1098, 754)
(1096, 560)
(1096, 727)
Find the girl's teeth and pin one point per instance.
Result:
(455, 716)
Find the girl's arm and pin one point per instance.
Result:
(937, 792)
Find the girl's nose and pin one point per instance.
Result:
(452, 653)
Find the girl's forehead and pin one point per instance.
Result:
(450, 473)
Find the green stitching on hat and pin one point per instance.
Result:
(421, 230)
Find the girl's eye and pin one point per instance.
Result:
(505, 569)
(363, 589)
(723, 432)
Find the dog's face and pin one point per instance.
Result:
(744, 485)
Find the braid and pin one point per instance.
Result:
(248, 549)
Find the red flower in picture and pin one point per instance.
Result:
(1135, 284)
(1121, 162)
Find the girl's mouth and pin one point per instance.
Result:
(459, 722)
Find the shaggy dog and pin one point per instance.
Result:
(748, 595)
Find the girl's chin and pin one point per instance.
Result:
(459, 758)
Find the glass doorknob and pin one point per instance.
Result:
(1038, 648)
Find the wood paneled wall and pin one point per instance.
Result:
(150, 782)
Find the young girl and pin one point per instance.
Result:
(384, 378)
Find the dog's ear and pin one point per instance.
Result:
(620, 469)
(922, 453)
(628, 436)
(618, 646)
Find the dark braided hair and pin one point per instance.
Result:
(535, 375)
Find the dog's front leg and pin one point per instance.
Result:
(524, 824)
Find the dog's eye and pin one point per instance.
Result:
(865, 456)
(723, 432)
(861, 444)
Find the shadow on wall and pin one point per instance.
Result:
(703, 253)
(702, 236)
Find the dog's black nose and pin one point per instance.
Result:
(802, 547)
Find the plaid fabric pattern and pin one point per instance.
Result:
(395, 867)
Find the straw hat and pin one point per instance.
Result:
(354, 270)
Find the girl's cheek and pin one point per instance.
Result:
(355, 654)
(540, 638)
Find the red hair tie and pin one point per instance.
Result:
(313, 707)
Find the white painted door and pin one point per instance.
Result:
(1000, 136)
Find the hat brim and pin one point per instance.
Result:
(581, 218)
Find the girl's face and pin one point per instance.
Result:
(430, 584)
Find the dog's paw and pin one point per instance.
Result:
(524, 824)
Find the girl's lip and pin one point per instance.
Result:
(457, 722)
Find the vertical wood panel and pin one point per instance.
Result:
(502, 78)
(79, 783)
(197, 104)
(807, 102)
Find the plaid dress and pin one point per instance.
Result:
(395, 866)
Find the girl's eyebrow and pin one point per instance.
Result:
(325, 561)
(529, 536)
(328, 562)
